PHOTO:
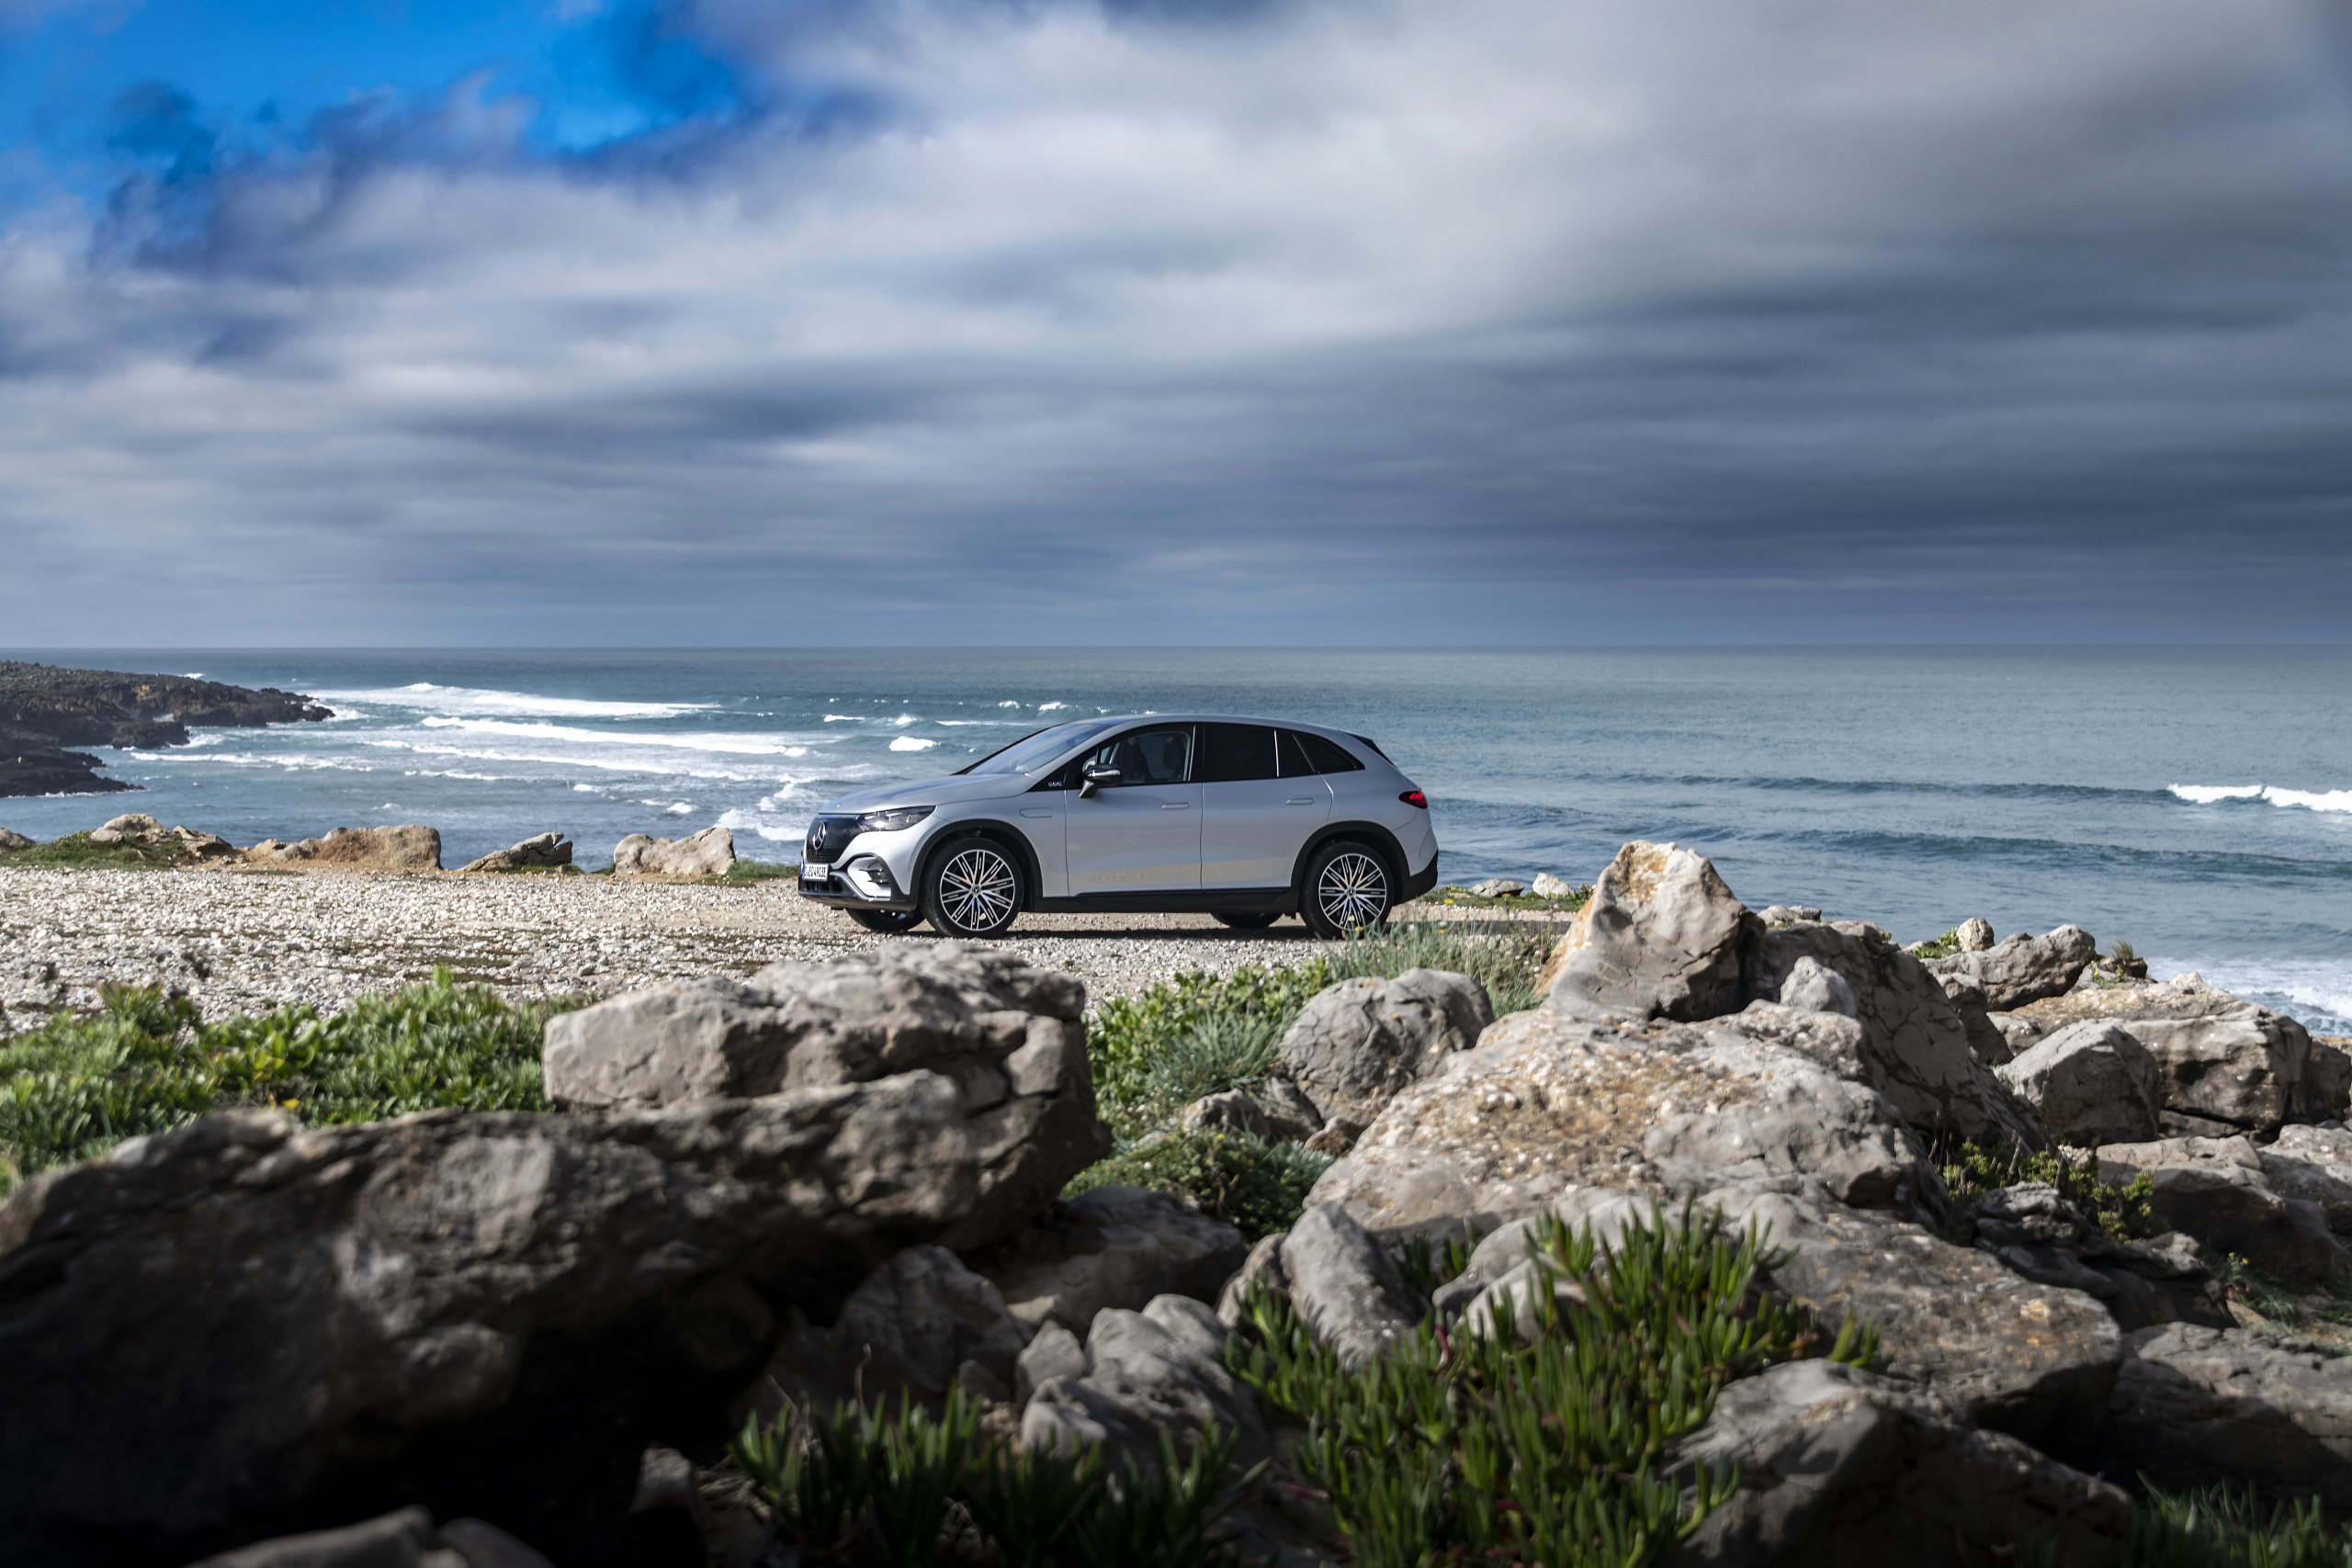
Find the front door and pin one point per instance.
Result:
(1142, 834)
(1253, 821)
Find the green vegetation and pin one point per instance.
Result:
(853, 1487)
(1943, 946)
(74, 851)
(1255, 1185)
(75, 1087)
(2121, 1211)
(1548, 1442)
(2220, 1530)
(745, 871)
(1155, 1053)
(1565, 904)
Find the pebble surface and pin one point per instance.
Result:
(244, 941)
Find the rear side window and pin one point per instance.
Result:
(1303, 754)
(1233, 753)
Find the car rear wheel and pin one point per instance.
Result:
(973, 889)
(889, 922)
(1348, 890)
(1247, 922)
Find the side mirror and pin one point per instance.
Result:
(1095, 779)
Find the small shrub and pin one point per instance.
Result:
(1222, 1051)
(854, 1488)
(1249, 1183)
(1506, 964)
(2221, 1529)
(1944, 946)
(2121, 1211)
(1552, 1449)
(76, 851)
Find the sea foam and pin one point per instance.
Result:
(2314, 800)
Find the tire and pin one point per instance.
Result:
(1348, 888)
(973, 888)
(1246, 922)
(889, 922)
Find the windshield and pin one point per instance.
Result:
(1031, 753)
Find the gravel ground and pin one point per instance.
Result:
(245, 941)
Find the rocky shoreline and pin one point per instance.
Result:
(45, 709)
(493, 1341)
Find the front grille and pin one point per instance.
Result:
(829, 838)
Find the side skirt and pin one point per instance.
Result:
(1178, 901)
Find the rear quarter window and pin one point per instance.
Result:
(1303, 753)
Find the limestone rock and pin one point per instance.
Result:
(1055, 1353)
(1232, 1109)
(1009, 1036)
(2315, 1165)
(1549, 1101)
(1345, 1286)
(546, 850)
(706, 853)
(2019, 1034)
(13, 841)
(1987, 1042)
(2016, 1356)
(1811, 988)
(1973, 934)
(2025, 968)
(2091, 1083)
(1547, 885)
(131, 828)
(405, 1538)
(2197, 1406)
(204, 846)
(2326, 1093)
(2041, 1235)
(2215, 1190)
(911, 1324)
(1111, 1247)
(1147, 1371)
(1290, 1112)
(1498, 887)
(2224, 1064)
(1916, 1047)
(410, 847)
(241, 1313)
(1356, 1044)
(1661, 936)
(1839, 1465)
(1786, 914)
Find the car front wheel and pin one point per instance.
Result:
(974, 889)
(1348, 890)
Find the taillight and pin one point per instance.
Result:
(1415, 797)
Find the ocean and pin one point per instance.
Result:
(2194, 802)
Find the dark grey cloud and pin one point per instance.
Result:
(1497, 320)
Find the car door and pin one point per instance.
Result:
(1253, 820)
(1142, 834)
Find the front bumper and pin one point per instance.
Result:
(861, 882)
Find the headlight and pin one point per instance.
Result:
(891, 821)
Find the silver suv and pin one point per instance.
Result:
(1248, 819)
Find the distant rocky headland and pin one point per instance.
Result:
(45, 709)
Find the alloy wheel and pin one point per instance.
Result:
(1352, 892)
(978, 889)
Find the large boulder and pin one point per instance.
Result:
(409, 847)
(403, 1538)
(2050, 1241)
(131, 827)
(2091, 1084)
(1916, 1046)
(2259, 1412)
(1112, 1247)
(1661, 937)
(1356, 1044)
(1011, 1037)
(1149, 1371)
(2024, 968)
(706, 853)
(546, 850)
(490, 1314)
(2315, 1165)
(1839, 1465)
(2216, 1190)
(2223, 1064)
(10, 840)
(1550, 1102)
(1346, 1287)
(2016, 1356)
(912, 1326)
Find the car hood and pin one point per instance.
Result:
(929, 791)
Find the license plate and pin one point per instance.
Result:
(815, 874)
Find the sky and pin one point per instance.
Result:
(1100, 322)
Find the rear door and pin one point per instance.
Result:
(1253, 820)
(1142, 834)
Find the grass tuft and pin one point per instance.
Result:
(1255, 1185)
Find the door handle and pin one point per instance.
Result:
(1032, 811)
(1175, 805)
(1307, 802)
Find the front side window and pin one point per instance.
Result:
(1147, 756)
(1235, 753)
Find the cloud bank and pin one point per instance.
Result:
(1066, 322)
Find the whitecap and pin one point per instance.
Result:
(585, 789)
(908, 743)
(2206, 794)
(475, 699)
(1049, 707)
(843, 718)
(2311, 800)
(677, 808)
(904, 719)
(702, 740)
(193, 675)
(1007, 705)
